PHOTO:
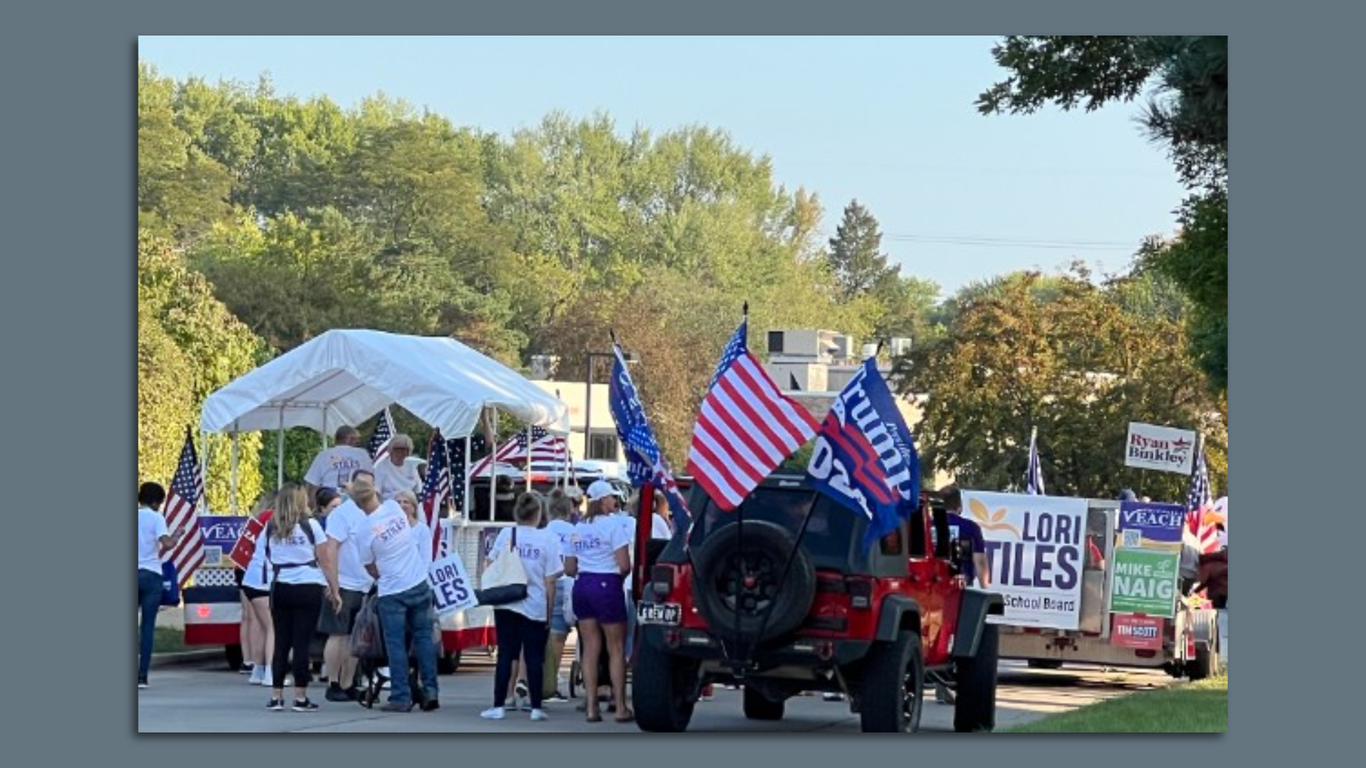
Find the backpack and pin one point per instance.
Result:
(266, 564)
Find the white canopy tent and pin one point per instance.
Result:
(344, 377)
(347, 376)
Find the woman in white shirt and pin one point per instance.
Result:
(293, 546)
(255, 589)
(522, 626)
(599, 563)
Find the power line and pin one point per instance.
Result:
(1006, 242)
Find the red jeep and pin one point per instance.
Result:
(748, 604)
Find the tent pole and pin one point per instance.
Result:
(493, 467)
(465, 513)
(280, 455)
(324, 434)
(235, 459)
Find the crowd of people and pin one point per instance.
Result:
(353, 529)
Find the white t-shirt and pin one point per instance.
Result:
(347, 524)
(659, 528)
(391, 479)
(422, 539)
(151, 527)
(595, 542)
(333, 467)
(563, 529)
(392, 550)
(540, 553)
(295, 548)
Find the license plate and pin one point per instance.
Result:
(659, 613)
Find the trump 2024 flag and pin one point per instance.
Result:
(864, 457)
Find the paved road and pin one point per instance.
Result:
(206, 698)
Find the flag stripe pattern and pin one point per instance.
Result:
(437, 489)
(183, 503)
(746, 427)
(382, 437)
(1198, 503)
(543, 447)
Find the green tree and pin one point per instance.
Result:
(1187, 112)
(1077, 366)
(856, 256)
(181, 191)
(204, 348)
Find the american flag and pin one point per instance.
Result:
(1204, 536)
(746, 427)
(543, 447)
(1034, 476)
(382, 437)
(437, 489)
(644, 461)
(183, 502)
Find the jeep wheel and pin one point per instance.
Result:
(759, 708)
(976, 707)
(663, 687)
(893, 686)
(734, 585)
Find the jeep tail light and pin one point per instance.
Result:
(860, 594)
(662, 580)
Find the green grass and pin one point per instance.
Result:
(168, 641)
(1189, 708)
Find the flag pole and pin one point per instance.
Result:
(493, 466)
(465, 498)
(740, 537)
(527, 475)
(280, 457)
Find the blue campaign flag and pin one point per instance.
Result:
(644, 461)
(865, 456)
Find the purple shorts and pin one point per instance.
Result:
(600, 596)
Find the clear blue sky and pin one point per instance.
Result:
(889, 121)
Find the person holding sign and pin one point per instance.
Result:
(961, 529)
(522, 626)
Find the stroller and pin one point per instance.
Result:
(368, 646)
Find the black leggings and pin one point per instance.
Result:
(517, 635)
(294, 610)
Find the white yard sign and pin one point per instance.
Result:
(1161, 448)
(1035, 551)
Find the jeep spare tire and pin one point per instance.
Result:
(739, 572)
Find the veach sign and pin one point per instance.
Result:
(1151, 526)
(1034, 551)
(1161, 448)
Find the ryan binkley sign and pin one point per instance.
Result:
(1161, 448)
(1034, 551)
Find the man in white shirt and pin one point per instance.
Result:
(334, 467)
(393, 475)
(347, 583)
(405, 598)
(153, 541)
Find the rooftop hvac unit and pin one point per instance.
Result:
(844, 347)
(900, 346)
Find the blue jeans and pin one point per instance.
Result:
(406, 615)
(149, 601)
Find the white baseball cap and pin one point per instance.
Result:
(601, 489)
